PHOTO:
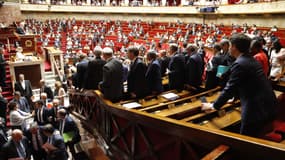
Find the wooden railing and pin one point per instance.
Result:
(172, 130)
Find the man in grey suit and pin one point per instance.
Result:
(112, 84)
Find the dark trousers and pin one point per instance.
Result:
(39, 155)
(70, 145)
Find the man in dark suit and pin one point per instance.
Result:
(137, 87)
(22, 102)
(17, 147)
(3, 105)
(66, 126)
(24, 87)
(153, 75)
(164, 62)
(54, 147)
(41, 113)
(176, 67)
(112, 84)
(81, 71)
(2, 68)
(20, 28)
(95, 70)
(194, 67)
(36, 141)
(46, 89)
(247, 81)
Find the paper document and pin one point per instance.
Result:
(132, 105)
(170, 96)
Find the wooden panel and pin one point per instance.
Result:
(31, 72)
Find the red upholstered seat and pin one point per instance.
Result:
(272, 136)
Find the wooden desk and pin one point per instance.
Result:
(33, 71)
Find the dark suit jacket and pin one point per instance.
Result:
(48, 91)
(2, 70)
(194, 70)
(95, 73)
(28, 134)
(20, 30)
(3, 107)
(70, 126)
(247, 80)
(82, 73)
(27, 92)
(164, 63)
(10, 149)
(136, 79)
(45, 116)
(112, 84)
(60, 153)
(23, 104)
(177, 72)
(153, 77)
(212, 80)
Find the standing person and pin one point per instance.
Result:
(82, 71)
(54, 147)
(22, 102)
(3, 105)
(2, 68)
(68, 126)
(164, 62)
(95, 69)
(176, 67)
(248, 81)
(112, 84)
(259, 55)
(41, 113)
(59, 92)
(36, 141)
(24, 87)
(46, 89)
(136, 76)
(194, 67)
(153, 75)
(16, 147)
(17, 117)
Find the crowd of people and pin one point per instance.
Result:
(135, 71)
(38, 128)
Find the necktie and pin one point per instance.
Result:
(34, 140)
(21, 150)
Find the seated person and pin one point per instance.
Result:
(19, 54)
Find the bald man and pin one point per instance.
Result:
(16, 147)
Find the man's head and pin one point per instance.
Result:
(17, 95)
(61, 113)
(173, 48)
(39, 104)
(107, 53)
(42, 82)
(48, 129)
(151, 55)
(225, 45)
(98, 51)
(191, 48)
(240, 44)
(17, 135)
(55, 102)
(255, 47)
(21, 77)
(133, 52)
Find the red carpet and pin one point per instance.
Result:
(47, 66)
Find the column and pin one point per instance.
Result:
(48, 1)
(88, 2)
(145, 2)
(163, 2)
(182, 3)
(107, 3)
(68, 2)
(126, 2)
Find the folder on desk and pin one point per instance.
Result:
(170, 96)
(221, 70)
(132, 105)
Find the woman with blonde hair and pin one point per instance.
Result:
(59, 92)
